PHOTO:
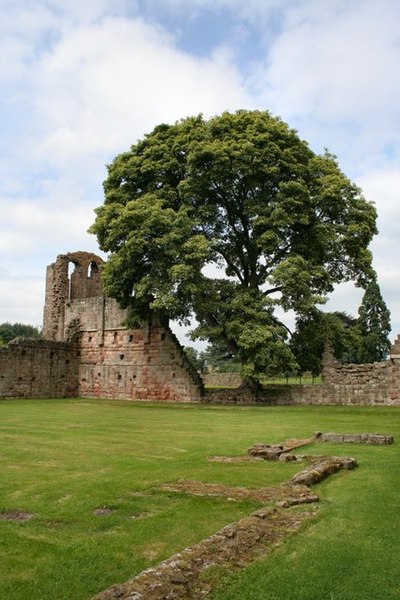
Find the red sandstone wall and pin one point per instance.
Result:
(136, 364)
(116, 362)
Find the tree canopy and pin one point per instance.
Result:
(10, 331)
(229, 219)
(374, 324)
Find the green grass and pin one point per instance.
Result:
(62, 459)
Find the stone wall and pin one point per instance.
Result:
(38, 369)
(376, 384)
(106, 359)
(222, 379)
(143, 364)
(88, 351)
(287, 395)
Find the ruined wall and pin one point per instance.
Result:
(376, 384)
(114, 362)
(88, 351)
(222, 379)
(62, 287)
(146, 363)
(38, 369)
(286, 395)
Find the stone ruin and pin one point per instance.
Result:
(185, 575)
(87, 351)
(375, 384)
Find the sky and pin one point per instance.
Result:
(81, 81)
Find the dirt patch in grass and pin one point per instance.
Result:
(104, 511)
(294, 494)
(235, 459)
(16, 515)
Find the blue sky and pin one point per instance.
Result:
(82, 81)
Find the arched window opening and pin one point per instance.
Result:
(93, 269)
(71, 269)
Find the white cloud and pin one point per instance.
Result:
(336, 66)
(20, 298)
(383, 185)
(104, 85)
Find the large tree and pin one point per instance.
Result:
(229, 219)
(374, 324)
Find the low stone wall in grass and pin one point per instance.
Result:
(285, 395)
(376, 384)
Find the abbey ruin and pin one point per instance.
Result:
(87, 351)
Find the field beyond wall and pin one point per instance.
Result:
(81, 506)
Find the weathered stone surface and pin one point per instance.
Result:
(277, 451)
(184, 575)
(321, 468)
(375, 439)
(266, 451)
(88, 351)
(39, 369)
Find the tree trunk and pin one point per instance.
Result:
(251, 385)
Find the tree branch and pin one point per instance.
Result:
(273, 290)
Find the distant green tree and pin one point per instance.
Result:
(374, 324)
(10, 331)
(196, 358)
(218, 358)
(316, 330)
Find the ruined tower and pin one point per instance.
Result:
(114, 361)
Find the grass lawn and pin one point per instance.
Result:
(61, 460)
